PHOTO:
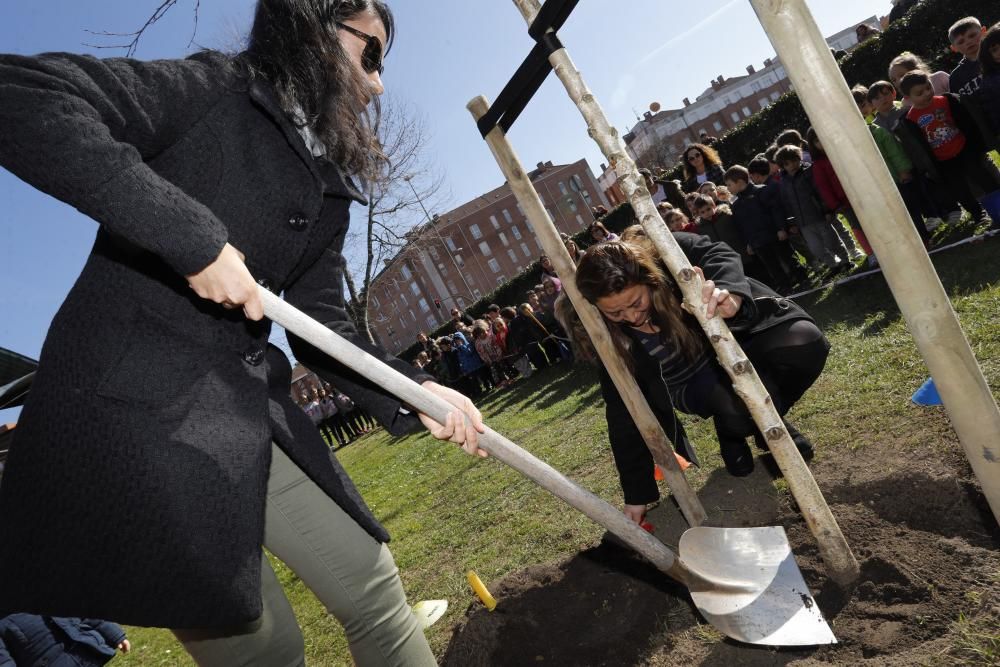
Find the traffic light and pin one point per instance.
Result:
(437, 302)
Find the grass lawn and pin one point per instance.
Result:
(448, 512)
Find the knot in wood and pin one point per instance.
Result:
(741, 367)
(774, 433)
(715, 338)
(685, 275)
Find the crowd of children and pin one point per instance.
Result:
(787, 210)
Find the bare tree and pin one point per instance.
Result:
(400, 194)
(135, 36)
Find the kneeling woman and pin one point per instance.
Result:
(673, 360)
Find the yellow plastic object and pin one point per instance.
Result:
(480, 590)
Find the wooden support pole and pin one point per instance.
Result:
(545, 230)
(841, 564)
(907, 268)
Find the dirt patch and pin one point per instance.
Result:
(926, 542)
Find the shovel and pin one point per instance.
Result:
(744, 581)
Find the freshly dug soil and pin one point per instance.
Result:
(917, 523)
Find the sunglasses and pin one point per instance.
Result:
(371, 57)
(692, 156)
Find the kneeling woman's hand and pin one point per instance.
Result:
(717, 300)
(455, 429)
(635, 512)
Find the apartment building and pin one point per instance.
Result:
(458, 256)
(661, 135)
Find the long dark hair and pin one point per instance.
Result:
(609, 268)
(710, 159)
(294, 45)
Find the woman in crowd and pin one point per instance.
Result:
(701, 163)
(667, 349)
(600, 233)
(206, 176)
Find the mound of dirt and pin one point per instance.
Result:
(919, 527)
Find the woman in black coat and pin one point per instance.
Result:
(207, 175)
(641, 304)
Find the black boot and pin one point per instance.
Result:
(736, 455)
(801, 442)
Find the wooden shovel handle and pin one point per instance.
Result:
(498, 446)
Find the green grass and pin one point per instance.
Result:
(449, 512)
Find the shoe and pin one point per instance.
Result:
(932, 223)
(955, 217)
(737, 457)
(872, 262)
(802, 443)
(856, 257)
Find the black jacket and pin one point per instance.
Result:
(27, 640)
(715, 173)
(758, 215)
(762, 308)
(148, 509)
(800, 198)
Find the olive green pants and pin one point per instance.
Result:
(352, 575)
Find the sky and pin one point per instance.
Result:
(446, 52)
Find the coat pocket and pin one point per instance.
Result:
(158, 364)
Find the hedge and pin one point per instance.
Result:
(923, 30)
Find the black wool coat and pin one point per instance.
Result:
(761, 309)
(136, 482)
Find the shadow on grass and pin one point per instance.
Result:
(963, 270)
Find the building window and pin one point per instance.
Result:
(494, 265)
(442, 268)
(484, 248)
(414, 289)
(512, 255)
(562, 188)
(476, 293)
(459, 261)
(718, 126)
(575, 182)
(405, 272)
(579, 220)
(434, 253)
(501, 278)
(451, 244)
(763, 102)
(503, 239)
(735, 116)
(775, 95)
(520, 210)
(747, 112)
(516, 232)
(431, 322)
(572, 206)
(474, 230)
(538, 243)
(461, 303)
(524, 249)
(413, 315)
(451, 287)
(586, 196)
(424, 306)
(493, 221)
(507, 216)
(374, 301)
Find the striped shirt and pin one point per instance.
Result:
(675, 368)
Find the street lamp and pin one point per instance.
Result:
(409, 181)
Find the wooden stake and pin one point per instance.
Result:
(545, 229)
(907, 268)
(841, 564)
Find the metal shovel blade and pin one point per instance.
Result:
(774, 607)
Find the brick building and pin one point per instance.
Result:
(456, 258)
(661, 136)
